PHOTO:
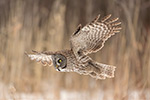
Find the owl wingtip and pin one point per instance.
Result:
(34, 51)
(78, 29)
(98, 16)
(26, 53)
(79, 26)
(110, 15)
(96, 19)
(106, 18)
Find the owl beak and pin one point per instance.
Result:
(57, 68)
(64, 67)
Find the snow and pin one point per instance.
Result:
(9, 93)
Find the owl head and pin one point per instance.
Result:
(59, 61)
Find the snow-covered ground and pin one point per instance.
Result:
(9, 93)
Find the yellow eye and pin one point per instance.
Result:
(56, 66)
(59, 60)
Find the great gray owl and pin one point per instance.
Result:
(84, 41)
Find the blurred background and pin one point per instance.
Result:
(41, 25)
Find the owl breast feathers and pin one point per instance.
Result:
(86, 40)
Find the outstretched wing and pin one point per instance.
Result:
(44, 58)
(92, 37)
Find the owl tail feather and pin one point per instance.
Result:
(102, 71)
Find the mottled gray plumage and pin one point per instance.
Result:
(86, 40)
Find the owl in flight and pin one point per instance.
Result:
(85, 40)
